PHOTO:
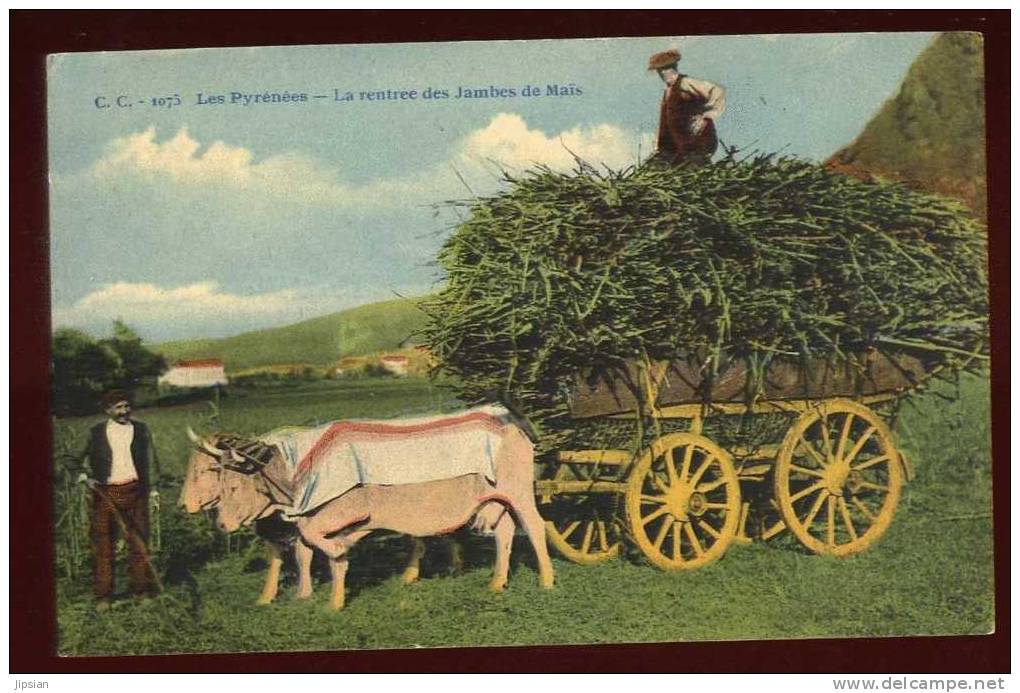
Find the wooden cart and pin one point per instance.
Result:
(833, 480)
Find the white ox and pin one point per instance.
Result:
(428, 508)
(202, 490)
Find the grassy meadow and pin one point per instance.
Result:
(322, 340)
(930, 574)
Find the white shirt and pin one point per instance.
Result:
(119, 436)
(713, 95)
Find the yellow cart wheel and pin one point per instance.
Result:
(683, 502)
(582, 527)
(838, 478)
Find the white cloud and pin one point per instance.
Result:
(177, 158)
(203, 308)
(132, 301)
(180, 159)
(509, 141)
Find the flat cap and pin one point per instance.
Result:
(664, 59)
(112, 397)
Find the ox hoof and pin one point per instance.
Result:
(547, 582)
(263, 601)
(303, 595)
(497, 587)
(409, 578)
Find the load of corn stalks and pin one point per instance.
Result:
(564, 276)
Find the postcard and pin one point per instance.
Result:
(491, 343)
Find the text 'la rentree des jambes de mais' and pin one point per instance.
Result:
(427, 94)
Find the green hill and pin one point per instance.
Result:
(931, 135)
(363, 330)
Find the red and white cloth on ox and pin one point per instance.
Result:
(327, 461)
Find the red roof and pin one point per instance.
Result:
(200, 363)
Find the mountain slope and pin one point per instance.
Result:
(366, 329)
(932, 134)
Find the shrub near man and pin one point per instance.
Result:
(120, 457)
(690, 108)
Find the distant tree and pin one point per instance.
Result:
(83, 368)
(139, 363)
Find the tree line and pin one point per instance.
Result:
(82, 367)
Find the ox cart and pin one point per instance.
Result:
(832, 475)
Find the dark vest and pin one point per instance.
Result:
(101, 456)
(675, 140)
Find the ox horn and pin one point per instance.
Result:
(202, 444)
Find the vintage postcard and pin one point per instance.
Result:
(492, 343)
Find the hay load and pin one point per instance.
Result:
(574, 278)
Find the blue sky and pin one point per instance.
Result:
(206, 220)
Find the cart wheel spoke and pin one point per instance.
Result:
(659, 484)
(677, 551)
(870, 463)
(845, 512)
(654, 514)
(873, 486)
(705, 465)
(569, 529)
(689, 531)
(844, 436)
(807, 491)
(806, 471)
(710, 530)
(810, 517)
(589, 532)
(859, 445)
(663, 531)
(826, 437)
(830, 522)
(712, 485)
(685, 469)
(863, 508)
(603, 536)
(813, 452)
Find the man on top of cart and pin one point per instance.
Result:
(690, 108)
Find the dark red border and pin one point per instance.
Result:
(32, 616)
(352, 431)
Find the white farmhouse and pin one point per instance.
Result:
(199, 373)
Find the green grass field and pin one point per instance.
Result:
(930, 574)
(363, 330)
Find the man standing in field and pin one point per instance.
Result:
(687, 116)
(120, 455)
